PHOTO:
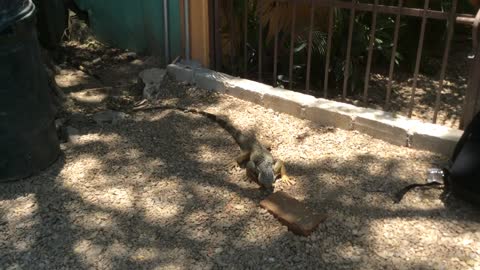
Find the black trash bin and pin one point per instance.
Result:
(28, 139)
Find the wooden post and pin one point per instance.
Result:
(199, 32)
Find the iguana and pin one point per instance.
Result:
(255, 157)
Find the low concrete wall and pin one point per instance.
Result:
(382, 125)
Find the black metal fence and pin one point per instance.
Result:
(375, 9)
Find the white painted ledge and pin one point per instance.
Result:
(382, 125)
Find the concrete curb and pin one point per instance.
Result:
(382, 125)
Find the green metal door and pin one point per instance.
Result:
(135, 25)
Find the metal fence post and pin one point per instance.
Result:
(187, 29)
(166, 25)
(472, 95)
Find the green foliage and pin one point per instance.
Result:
(382, 46)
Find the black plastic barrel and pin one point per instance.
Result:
(52, 21)
(28, 139)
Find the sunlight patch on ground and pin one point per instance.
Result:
(23, 217)
(98, 138)
(82, 164)
(432, 244)
(145, 254)
(88, 250)
(115, 198)
(23, 210)
(161, 211)
(96, 220)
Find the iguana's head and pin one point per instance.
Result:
(266, 177)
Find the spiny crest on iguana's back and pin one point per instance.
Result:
(246, 142)
(259, 159)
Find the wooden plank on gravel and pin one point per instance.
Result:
(292, 213)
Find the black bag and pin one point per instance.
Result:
(462, 177)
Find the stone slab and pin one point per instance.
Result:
(435, 138)
(287, 101)
(181, 73)
(376, 123)
(247, 90)
(384, 126)
(211, 80)
(296, 215)
(331, 113)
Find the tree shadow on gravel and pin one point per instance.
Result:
(359, 183)
(156, 192)
(67, 223)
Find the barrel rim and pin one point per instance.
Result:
(9, 17)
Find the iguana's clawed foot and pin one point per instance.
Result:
(289, 182)
(233, 165)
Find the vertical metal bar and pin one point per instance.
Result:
(475, 28)
(370, 51)
(451, 24)
(245, 37)
(232, 43)
(260, 50)
(419, 58)
(292, 44)
(165, 23)
(211, 34)
(218, 37)
(309, 56)
(349, 49)
(275, 56)
(187, 29)
(329, 50)
(394, 53)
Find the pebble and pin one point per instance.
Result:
(97, 61)
(239, 207)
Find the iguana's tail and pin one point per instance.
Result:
(233, 131)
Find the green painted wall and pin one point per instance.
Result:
(175, 31)
(135, 25)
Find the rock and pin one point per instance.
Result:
(62, 133)
(127, 56)
(292, 213)
(97, 61)
(153, 76)
(60, 122)
(153, 79)
(137, 62)
(191, 63)
(73, 134)
(239, 207)
(109, 117)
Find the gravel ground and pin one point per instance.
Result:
(156, 192)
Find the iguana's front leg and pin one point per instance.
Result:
(280, 170)
(251, 171)
(243, 159)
